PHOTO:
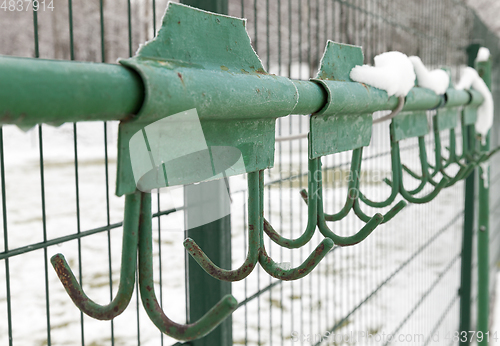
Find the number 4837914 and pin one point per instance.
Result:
(26, 5)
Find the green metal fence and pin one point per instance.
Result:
(408, 278)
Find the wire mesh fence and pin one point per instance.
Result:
(57, 191)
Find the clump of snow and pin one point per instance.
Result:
(485, 169)
(437, 80)
(483, 54)
(393, 72)
(470, 78)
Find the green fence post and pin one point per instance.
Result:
(467, 238)
(483, 262)
(203, 291)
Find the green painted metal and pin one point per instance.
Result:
(455, 98)
(215, 238)
(409, 125)
(312, 97)
(312, 217)
(34, 91)
(469, 115)
(341, 124)
(351, 201)
(333, 129)
(338, 133)
(204, 61)
(276, 270)
(218, 74)
(253, 240)
(468, 231)
(127, 273)
(476, 98)
(445, 119)
(147, 288)
(397, 183)
(483, 243)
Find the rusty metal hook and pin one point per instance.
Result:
(311, 215)
(253, 240)
(276, 270)
(353, 192)
(192, 331)
(409, 195)
(127, 274)
(401, 103)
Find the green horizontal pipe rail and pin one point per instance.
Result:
(34, 91)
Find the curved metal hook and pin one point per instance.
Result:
(471, 154)
(311, 215)
(127, 274)
(386, 217)
(464, 170)
(396, 177)
(361, 235)
(361, 215)
(409, 197)
(401, 103)
(352, 201)
(351, 196)
(278, 272)
(148, 296)
(364, 232)
(426, 176)
(253, 240)
(486, 156)
(273, 268)
(424, 168)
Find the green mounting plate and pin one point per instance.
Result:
(445, 119)
(330, 134)
(204, 61)
(469, 115)
(408, 125)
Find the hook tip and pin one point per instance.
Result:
(328, 243)
(188, 243)
(58, 260)
(401, 204)
(229, 302)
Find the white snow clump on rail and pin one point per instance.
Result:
(470, 78)
(437, 80)
(393, 72)
(483, 54)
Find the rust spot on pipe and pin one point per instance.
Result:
(180, 77)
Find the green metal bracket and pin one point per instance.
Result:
(445, 119)
(469, 116)
(331, 130)
(203, 61)
(408, 125)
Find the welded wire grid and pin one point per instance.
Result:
(57, 192)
